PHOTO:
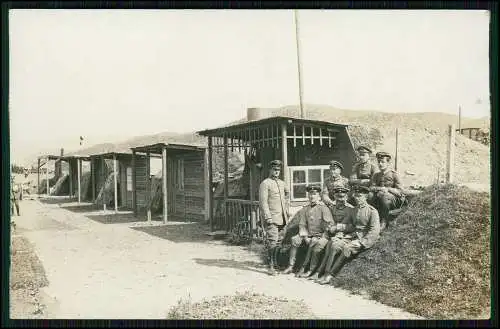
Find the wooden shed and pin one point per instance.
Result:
(304, 146)
(43, 167)
(75, 174)
(119, 162)
(184, 176)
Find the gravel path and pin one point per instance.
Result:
(98, 270)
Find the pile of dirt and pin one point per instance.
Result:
(107, 192)
(422, 141)
(242, 306)
(42, 189)
(434, 261)
(27, 276)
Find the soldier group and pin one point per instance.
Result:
(341, 219)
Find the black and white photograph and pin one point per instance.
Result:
(249, 164)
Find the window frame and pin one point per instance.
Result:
(292, 169)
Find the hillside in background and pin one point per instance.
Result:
(422, 141)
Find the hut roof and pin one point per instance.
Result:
(157, 147)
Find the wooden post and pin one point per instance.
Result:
(115, 180)
(207, 184)
(451, 154)
(104, 178)
(38, 176)
(299, 66)
(284, 154)
(210, 182)
(92, 173)
(253, 222)
(396, 154)
(47, 175)
(226, 179)
(459, 119)
(148, 185)
(79, 177)
(164, 185)
(134, 192)
(70, 174)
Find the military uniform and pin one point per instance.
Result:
(342, 214)
(362, 171)
(273, 203)
(357, 232)
(333, 182)
(390, 199)
(15, 196)
(314, 219)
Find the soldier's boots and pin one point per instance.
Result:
(300, 273)
(305, 274)
(272, 270)
(314, 277)
(291, 262)
(326, 279)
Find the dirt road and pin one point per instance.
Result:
(98, 269)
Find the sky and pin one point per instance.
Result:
(108, 75)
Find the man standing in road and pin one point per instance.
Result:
(15, 197)
(273, 202)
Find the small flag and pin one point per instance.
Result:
(81, 140)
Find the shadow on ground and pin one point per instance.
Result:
(113, 218)
(79, 208)
(178, 231)
(230, 263)
(56, 200)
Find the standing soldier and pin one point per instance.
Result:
(342, 214)
(313, 222)
(386, 187)
(15, 196)
(273, 202)
(355, 234)
(335, 180)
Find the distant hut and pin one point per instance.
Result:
(183, 192)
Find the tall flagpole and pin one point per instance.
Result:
(299, 68)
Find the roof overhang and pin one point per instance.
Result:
(157, 148)
(224, 131)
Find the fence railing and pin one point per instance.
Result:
(243, 216)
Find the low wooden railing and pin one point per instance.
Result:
(241, 215)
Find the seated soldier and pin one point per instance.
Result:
(357, 233)
(386, 187)
(334, 180)
(362, 171)
(342, 214)
(313, 221)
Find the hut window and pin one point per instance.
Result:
(303, 176)
(129, 179)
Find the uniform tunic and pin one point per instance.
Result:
(386, 201)
(273, 196)
(314, 219)
(364, 227)
(331, 183)
(363, 171)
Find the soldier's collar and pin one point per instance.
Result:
(362, 205)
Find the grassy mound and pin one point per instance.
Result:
(434, 261)
(26, 269)
(242, 306)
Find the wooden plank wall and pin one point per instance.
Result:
(194, 186)
(141, 182)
